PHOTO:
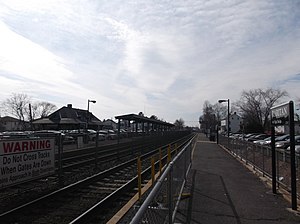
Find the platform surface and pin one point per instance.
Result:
(224, 191)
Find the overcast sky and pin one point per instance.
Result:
(162, 57)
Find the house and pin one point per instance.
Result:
(8, 123)
(235, 122)
(68, 118)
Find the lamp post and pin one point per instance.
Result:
(88, 112)
(228, 117)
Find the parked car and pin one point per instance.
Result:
(101, 137)
(123, 133)
(250, 135)
(297, 149)
(265, 141)
(109, 134)
(16, 135)
(257, 137)
(282, 138)
(287, 143)
(66, 139)
(91, 134)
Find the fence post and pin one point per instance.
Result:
(273, 160)
(139, 177)
(160, 162)
(169, 154)
(60, 152)
(96, 150)
(185, 162)
(241, 149)
(277, 168)
(152, 169)
(170, 193)
(263, 159)
(246, 152)
(254, 165)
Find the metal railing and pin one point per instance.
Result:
(161, 204)
(260, 158)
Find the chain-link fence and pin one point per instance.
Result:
(162, 202)
(260, 158)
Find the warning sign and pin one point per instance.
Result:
(25, 160)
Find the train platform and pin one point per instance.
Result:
(220, 189)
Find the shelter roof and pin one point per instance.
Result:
(138, 118)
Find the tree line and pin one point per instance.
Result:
(254, 107)
(21, 106)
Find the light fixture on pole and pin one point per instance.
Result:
(88, 112)
(228, 115)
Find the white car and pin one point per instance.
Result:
(109, 134)
(297, 148)
(101, 137)
(263, 141)
(93, 134)
(89, 132)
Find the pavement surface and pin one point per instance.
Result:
(222, 190)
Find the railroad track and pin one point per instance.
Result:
(78, 164)
(77, 203)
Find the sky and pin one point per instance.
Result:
(159, 57)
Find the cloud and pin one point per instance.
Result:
(164, 57)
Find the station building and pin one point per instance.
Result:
(68, 118)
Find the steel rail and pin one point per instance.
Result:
(73, 186)
(90, 213)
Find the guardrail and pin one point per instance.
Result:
(161, 204)
(260, 158)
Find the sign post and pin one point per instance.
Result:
(273, 160)
(284, 115)
(292, 152)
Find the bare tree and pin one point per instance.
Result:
(255, 106)
(220, 110)
(209, 118)
(297, 107)
(179, 123)
(18, 105)
(42, 109)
